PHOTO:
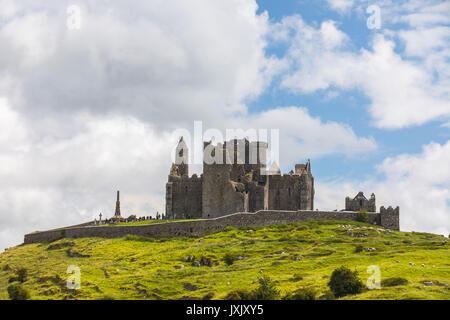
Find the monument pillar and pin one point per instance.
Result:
(117, 212)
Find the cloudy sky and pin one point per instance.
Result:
(89, 106)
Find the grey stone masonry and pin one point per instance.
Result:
(235, 179)
(117, 211)
(199, 228)
(360, 202)
(390, 217)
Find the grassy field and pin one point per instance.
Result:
(294, 256)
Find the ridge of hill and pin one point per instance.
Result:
(294, 256)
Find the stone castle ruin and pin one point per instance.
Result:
(360, 202)
(236, 189)
(235, 179)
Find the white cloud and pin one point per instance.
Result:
(342, 6)
(399, 89)
(418, 183)
(89, 111)
(303, 136)
(176, 63)
(52, 181)
(9, 9)
(419, 13)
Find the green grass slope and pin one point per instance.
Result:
(294, 256)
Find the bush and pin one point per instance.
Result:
(359, 248)
(17, 292)
(238, 295)
(22, 275)
(266, 290)
(392, 282)
(208, 296)
(343, 281)
(229, 259)
(362, 216)
(302, 294)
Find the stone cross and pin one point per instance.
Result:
(100, 215)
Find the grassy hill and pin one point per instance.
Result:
(294, 256)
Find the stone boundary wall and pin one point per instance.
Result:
(197, 228)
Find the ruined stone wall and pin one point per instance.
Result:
(360, 202)
(390, 218)
(235, 180)
(198, 228)
(183, 197)
(290, 192)
(284, 192)
(220, 196)
(257, 196)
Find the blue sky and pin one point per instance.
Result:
(350, 106)
(94, 92)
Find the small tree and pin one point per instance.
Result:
(362, 216)
(229, 259)
(302, 294)
(17, 292)
(266, 290)
(22, 275)
(238, 295)
(343, 281)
